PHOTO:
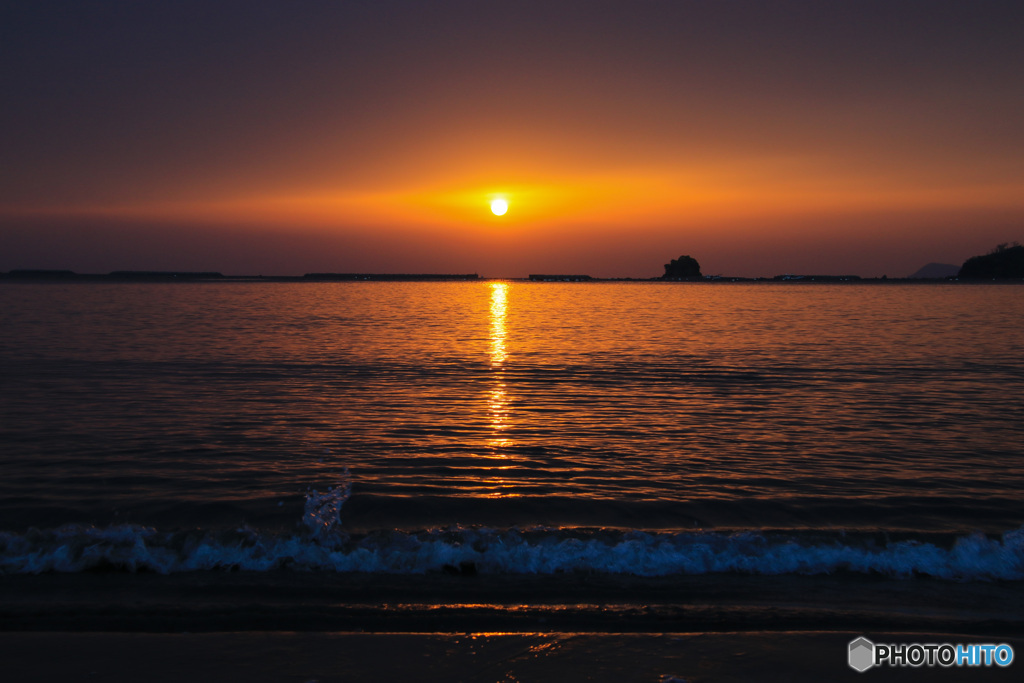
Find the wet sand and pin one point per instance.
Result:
(257, 657)
(284, 600)
(296, 626)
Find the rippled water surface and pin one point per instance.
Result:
(641, 406)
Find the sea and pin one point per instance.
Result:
(508, 427)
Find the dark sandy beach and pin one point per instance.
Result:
(327, 657)
(297, 626)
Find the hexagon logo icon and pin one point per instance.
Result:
(861, 654)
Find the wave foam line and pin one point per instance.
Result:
(77, 548)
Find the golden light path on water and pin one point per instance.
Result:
(497, 401)
(499, 310)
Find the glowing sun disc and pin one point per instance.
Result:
(499, 207)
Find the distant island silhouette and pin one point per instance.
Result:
(682, 268)
(560, 278)
(1004, 263)
(212, 276)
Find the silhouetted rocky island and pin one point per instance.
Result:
(682, 268)
(1005, 262)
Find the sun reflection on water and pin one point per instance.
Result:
(497, 399)
(499, 309)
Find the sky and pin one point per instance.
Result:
(262, 137)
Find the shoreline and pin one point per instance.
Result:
(120, 627)
(436, 602)
(183, 277)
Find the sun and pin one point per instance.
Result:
(499, 207)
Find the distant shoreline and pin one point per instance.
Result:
(67, 276)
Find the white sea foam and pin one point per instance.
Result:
(530, 551)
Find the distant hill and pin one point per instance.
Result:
(936, 271)
(1006, 261)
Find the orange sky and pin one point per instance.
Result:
(795, 139)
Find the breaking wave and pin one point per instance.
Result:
(320, 544)
(77, 548)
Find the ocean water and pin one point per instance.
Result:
(647, 429)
